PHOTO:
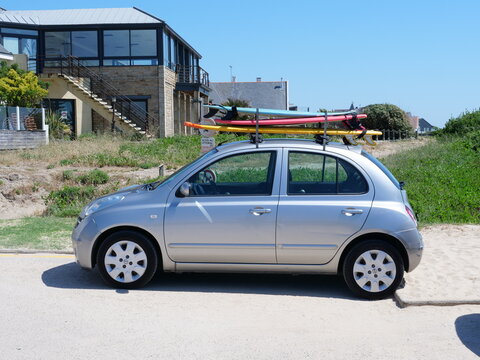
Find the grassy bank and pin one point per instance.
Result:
(39, 233)
(442, 180)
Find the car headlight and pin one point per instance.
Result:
(99, 204)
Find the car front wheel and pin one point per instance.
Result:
(127, 259)
(373, 269)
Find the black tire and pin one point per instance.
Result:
(374, 248)
(142, 247)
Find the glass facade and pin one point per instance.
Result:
(116, 43)
(85, 44)
(21, 41)
(130, 43)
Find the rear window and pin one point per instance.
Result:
(383, 168)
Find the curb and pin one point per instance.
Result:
(405, 303)
(26, 251)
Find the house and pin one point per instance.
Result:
(424, 126)
(261, 94)
(5, 54)
(119, 68)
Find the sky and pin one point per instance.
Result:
(423, 56)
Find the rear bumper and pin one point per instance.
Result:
(413, 245)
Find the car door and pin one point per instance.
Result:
(323, 201)
(230, 213)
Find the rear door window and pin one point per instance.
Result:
(317, 174)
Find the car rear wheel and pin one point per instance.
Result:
(127, 259)
(373, 269)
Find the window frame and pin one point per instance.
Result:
(336, 158)
(272, 167)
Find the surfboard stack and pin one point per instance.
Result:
(285, 121)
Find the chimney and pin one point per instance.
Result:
(259, 79)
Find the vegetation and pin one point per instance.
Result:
(386, 116)
(39, 233)
(57, 129)
(69, 200)
(466, 127)
(442, 181)
(19, 87)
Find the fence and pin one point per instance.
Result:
(22, 127)
(393, 135)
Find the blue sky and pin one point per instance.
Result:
(423, 56)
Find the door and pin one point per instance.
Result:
(323, 201)
(230, 214)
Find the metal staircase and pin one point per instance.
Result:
(105, 99)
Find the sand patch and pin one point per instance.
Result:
(450, 268)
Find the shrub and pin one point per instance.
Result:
(93, 177)
(69, 200)
(466, 122)
(386, 116)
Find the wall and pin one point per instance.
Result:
(10, 139)
(60, 89)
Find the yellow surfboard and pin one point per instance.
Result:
(280, 130)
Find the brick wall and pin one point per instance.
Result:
(10, 139)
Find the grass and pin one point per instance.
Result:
(39, 233)
(442, 180)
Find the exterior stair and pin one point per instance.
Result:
(97, 90)
(101, 106)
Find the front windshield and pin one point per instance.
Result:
(154, 185)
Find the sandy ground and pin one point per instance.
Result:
(51, 309)
(450, 267)
(385, 148)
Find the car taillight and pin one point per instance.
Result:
(412, 215)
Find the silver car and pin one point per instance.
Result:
(284, 206)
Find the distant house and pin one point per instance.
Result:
(118, 68)
(424, 126)
(261, 94)
(5, 54)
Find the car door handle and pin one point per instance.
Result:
(351, 211)
(259, 211)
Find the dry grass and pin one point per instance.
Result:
(59, 150)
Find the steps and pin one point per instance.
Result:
(101, 106)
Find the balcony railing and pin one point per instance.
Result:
(192, 75)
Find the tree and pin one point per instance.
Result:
(19, 87)
(238, 103)
(386, 116)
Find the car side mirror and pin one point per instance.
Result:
(184, 189)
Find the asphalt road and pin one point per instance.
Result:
(51, 309)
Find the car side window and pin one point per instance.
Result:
(311, 173)
(244, 174)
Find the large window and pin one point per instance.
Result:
(312, 173)
(130, 43)
(82, 44)
(21, 41)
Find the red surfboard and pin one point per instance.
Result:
(292, 121)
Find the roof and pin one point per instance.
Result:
(261, 94)
(424, 124)
(294, 143)
(79, 16)
(5, 54)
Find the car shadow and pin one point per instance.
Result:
(468, 331)
(71, 276)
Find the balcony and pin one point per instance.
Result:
(192, 78)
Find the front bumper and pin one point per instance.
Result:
(83, 238)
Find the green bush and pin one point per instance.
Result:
(386, 116)
(93, 177)
(466, 122)
(442, 181)
(69, 200)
